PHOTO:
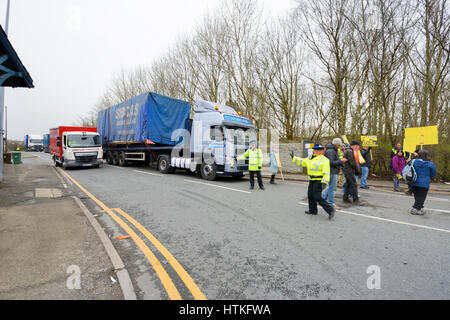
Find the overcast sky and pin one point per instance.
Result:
(72, 49)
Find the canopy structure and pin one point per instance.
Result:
(12, 72)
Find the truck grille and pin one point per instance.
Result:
(86, 158)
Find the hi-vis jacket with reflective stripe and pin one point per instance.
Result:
(255, 159)
(318, 167)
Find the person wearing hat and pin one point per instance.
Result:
(336, 162)
(319, 175)
(351, 170)
(255, 162)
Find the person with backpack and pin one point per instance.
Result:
(398, 164)
(425, 169)
(415, 155)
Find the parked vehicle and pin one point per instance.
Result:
(75, 147)
(46, 143)
(155, 129)
(33, 142)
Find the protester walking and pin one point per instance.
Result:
(398, 164)
(319, 176)
(425, 170)
(365, 167)
(415, 155)
(255, 162)
(336, 162)
(351, 169)
(273, 165)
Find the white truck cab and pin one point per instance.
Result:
(218, 135)
(81, 149)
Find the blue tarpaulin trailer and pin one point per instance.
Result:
(155, 129)
(149, 118)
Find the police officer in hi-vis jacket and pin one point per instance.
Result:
(319, 176)
(255, 162)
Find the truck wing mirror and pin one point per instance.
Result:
(58, 138)
(58, 144)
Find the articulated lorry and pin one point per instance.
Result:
(75, 147)
(155, 129)
(46, 143)
(33, 142)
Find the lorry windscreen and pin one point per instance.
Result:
(80, 141)
(37, 141)
(240, 136)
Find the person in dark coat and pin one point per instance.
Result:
(351, 169)
(332, 153)
(365, 167)
(425, 170)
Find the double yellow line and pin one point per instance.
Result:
(166, 281)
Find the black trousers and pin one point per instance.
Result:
(351, 187)
(420, 194)
(315, 196)
(252, 178)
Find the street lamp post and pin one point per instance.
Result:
(2, 102)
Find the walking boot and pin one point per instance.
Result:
(331, 216)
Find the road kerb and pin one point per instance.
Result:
(119, 267)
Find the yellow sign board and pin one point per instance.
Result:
(345, 139)
(422, 135)
(369, 141)
(277, 157)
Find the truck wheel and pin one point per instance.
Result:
(64, 165)
(164, 164)
(209, 171)
(115, 158)
(109, 158)
(122, 161)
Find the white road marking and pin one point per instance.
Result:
(403, 196)
(388, 220)
(438, 210)
(153, 174)
(217, 186)
(108, 165)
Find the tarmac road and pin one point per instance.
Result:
(234, 243)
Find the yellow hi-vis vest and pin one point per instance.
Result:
(318, 167)
(255, 159)
(340, 154)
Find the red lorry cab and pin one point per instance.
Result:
(56, 150)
